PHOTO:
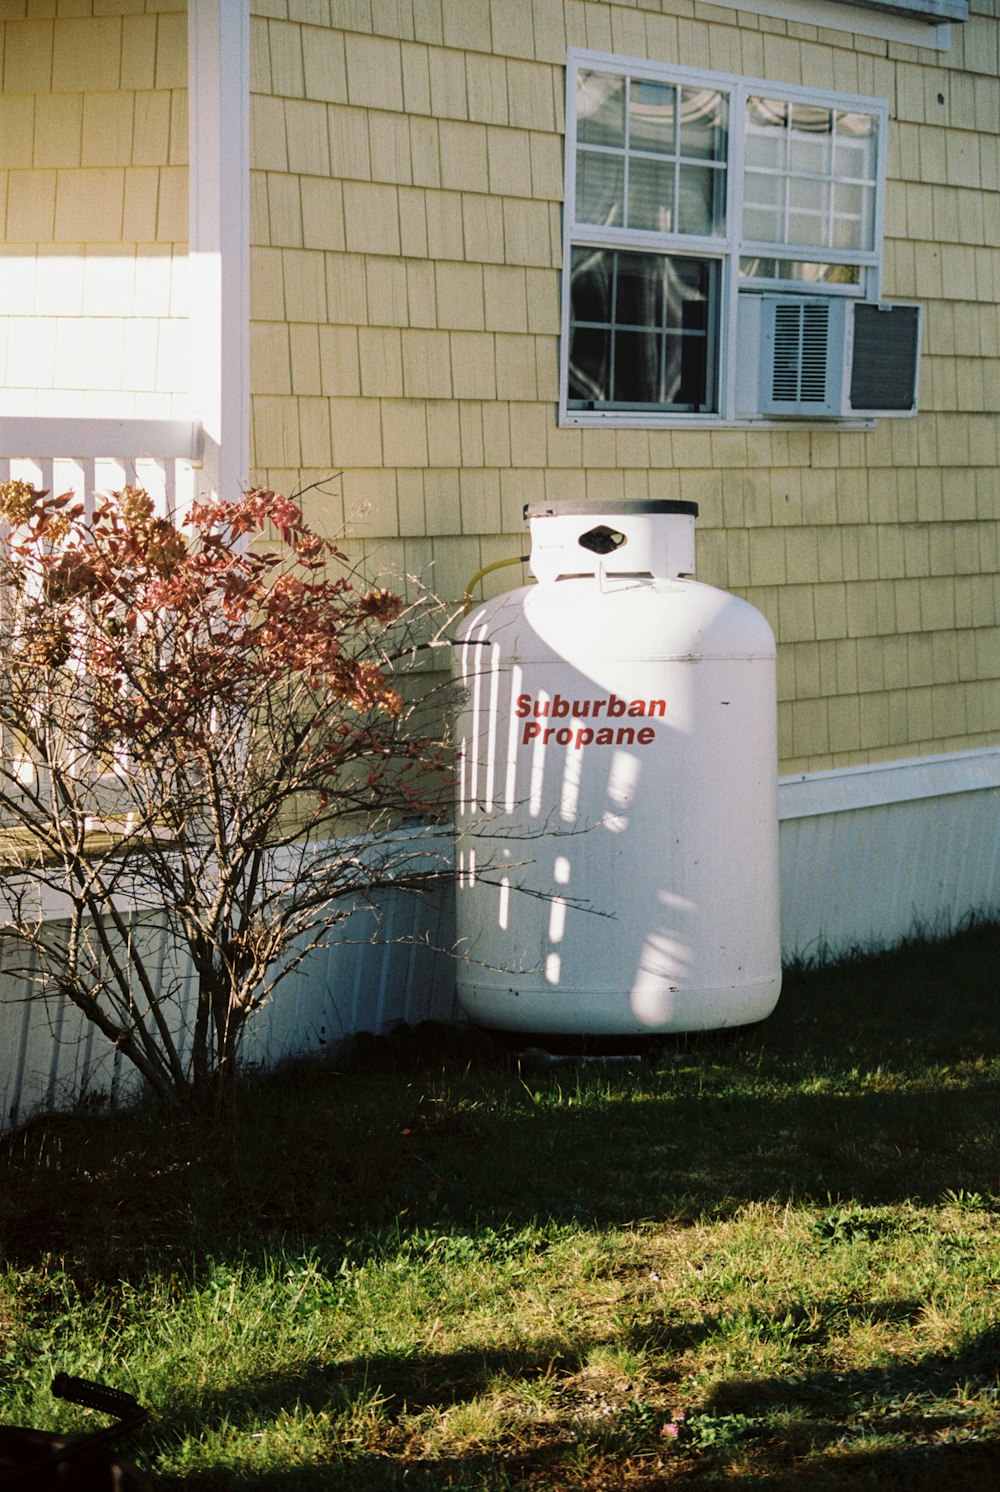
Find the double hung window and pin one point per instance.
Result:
(689, 195)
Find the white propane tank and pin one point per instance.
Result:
(616, 806)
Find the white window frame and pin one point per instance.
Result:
(727, 248)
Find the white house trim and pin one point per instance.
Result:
(862, 20)
(851, 788)
(219, 236)
(873, 855)
(31, 435)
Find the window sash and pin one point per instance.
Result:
(650, 155)
(809, 167)
(643, 331)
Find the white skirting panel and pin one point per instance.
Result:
(50, 1057)
(386, 969)
(873, 855)
(869, 856)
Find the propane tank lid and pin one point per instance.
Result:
(567, 506)
(638, 538)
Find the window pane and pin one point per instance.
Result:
(854, 160)
(764, 190)
(808, 211)
(851, 233)
(807, 271)
(654, 369)
(702, 200)
(600, 109)
(638, 368)
(640, 289)
(762, 225)
(806, 228)
(691, 372)
(849, 201)
(808, 195)
(767, 141)
(653, 344)
(651, 195)
(591, 271)
(856, 146)
(810, 140)
(652, 122)
(692, 286)
(600, 183)
(854, 217)
(590, 346)
(703, 124)
(589, 363)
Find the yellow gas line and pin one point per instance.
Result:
(487, 570)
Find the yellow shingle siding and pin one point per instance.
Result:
(406, 294)
(93, 125)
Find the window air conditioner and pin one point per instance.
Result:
(835, 358)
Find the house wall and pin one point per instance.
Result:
(93, 209)
(406, 189)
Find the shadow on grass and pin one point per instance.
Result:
(840, 1418)
(673, 1155)
(885, 1428)
(874, 1081)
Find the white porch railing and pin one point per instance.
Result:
(89, 456)
(162, 456)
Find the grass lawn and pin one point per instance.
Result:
(768, 1257)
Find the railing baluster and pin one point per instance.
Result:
(88, 478)
(170, 489)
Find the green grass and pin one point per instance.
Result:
(768, 1257)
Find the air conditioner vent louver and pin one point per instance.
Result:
(803, 348)
(815, 348)
(785, 368)
(801, 343)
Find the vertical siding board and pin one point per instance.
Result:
(39, 1056)
(14, 1027)
(382, 962)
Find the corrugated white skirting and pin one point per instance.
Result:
(872, 855)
